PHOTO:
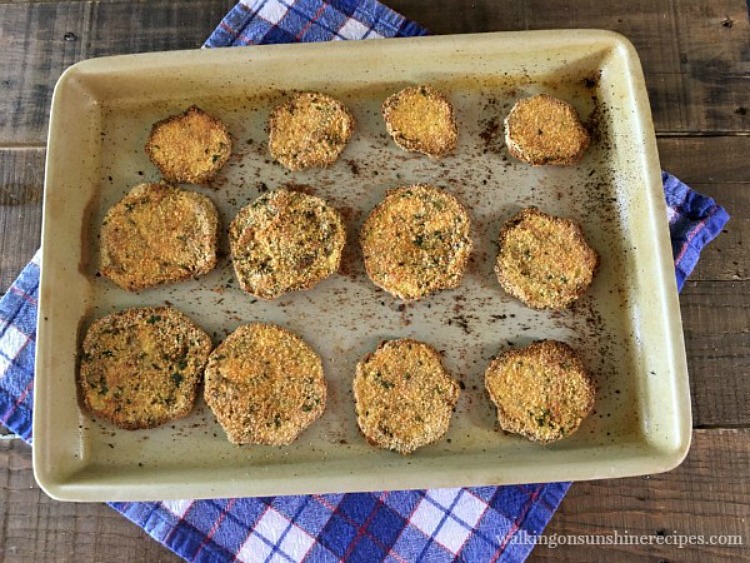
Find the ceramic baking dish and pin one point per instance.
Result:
(627, 326)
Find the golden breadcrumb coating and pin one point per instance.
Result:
(285, 240)
(417, 241)
(309, 130)
(421, 119)
(158, 234)
(542, 392)
(543, 260)
(265, 385)
(141, 367)
(404, 398)
(545, 130)
(190, 147)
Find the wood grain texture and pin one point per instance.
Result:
(21, 188)
(701, 497)
(163, 25)
(726, 258)
(34, 527)
(707, 159)
(38, 41)
(714, 44)
(716, 321)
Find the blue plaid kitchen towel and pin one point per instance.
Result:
(472, 524)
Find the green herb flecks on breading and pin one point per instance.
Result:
(403, 396)
(265, 385)
(544, 260)
(141, 368)
(542, 392)
(416, 241)
(285, 240)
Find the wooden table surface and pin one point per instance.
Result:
(696, 57)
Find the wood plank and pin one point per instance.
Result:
(34, 527)
(649, 24)
(718, 167)
(163, 25)
(716, 321)
(707, 160)
(38, 41)
(709, 494)
(714, 43)
(21, 188)
(463, 16)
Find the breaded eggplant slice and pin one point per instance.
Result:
(416, 241)
(141, 367)
(421, 119)
(158, 234)
(189, 147)
(542, 392)
(403, 396)
(285, 240)
(543, 260)
(311, 129)
(265, 385)
(545, 130)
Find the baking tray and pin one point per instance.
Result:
(627, 326)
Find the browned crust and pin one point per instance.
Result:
(548, 404)
(421, 131)
(141, 368)
(309, 130)
(396, 248)
(545, 130)
(406, 401)
(189, 147)
(294, 248)
(158, 234)
(265, 385)
(555, 273)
